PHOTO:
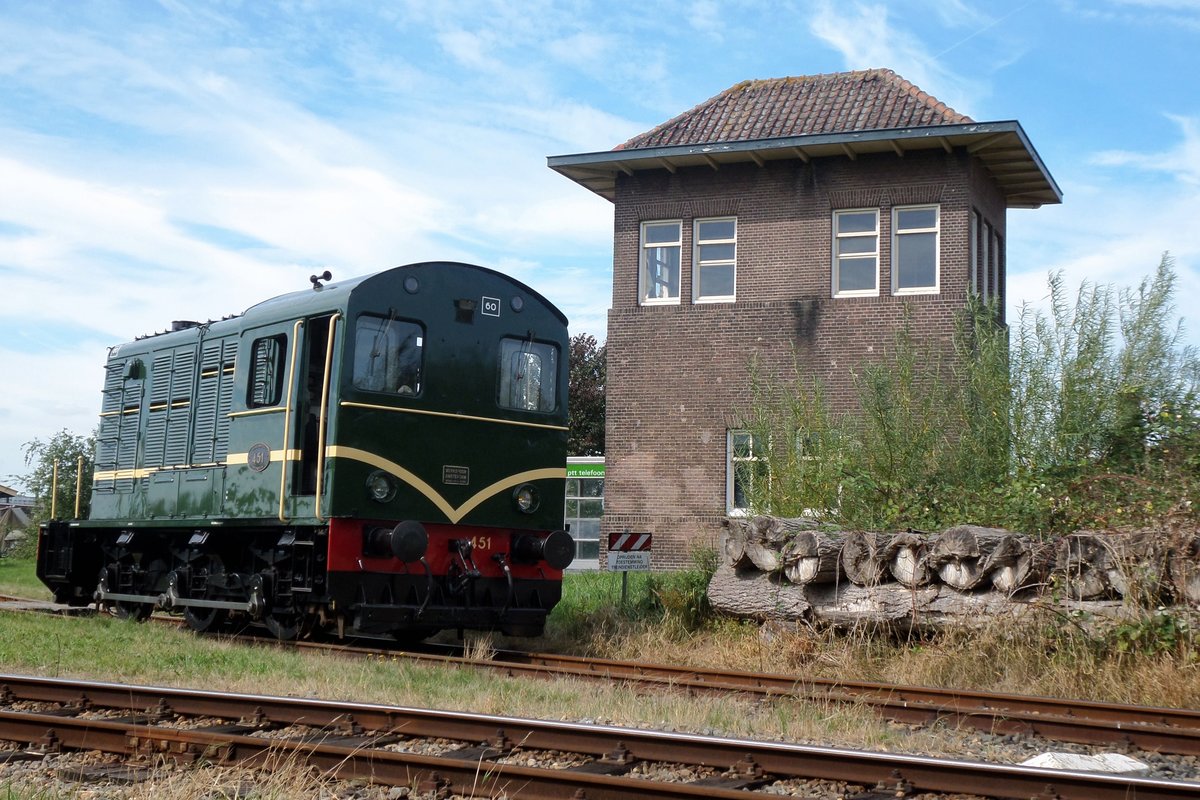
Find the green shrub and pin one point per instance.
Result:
(1089, 416)
(1158, 633)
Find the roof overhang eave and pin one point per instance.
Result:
(1002, 147)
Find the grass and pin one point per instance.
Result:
(18, 578)
(1154, 660)
(661, 619)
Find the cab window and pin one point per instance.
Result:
(528, 375)
(266, 371)
(388, 354)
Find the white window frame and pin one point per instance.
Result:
(996, 251)
(644, 249)
(698, 265)
(838, 236)
(897, 233)
(731, 462)
(580, 497)
(973, 252)
(985, 259)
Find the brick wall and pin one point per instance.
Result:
(677, 374)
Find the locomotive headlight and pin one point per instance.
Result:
(526, 499)
(380, 486)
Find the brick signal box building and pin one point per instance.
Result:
(788, 216)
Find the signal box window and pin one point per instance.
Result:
(528, 375)
(856, 252)
(745, 467)
(266, 371)
(662, 244)
(915, 231)
(388, 355)
(715, 259)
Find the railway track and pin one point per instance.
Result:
(491, 756)
(1155, 729)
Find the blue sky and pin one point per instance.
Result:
(174, 160)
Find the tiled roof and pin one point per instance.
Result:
(840, 102)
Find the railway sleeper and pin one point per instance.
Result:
(105, 773)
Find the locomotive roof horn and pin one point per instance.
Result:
(316, 280)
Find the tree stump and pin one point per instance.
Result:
(1081, 563)
(907, 563)
(1184, 566)
(961, 555)
(755, 595)
(812, 557)
(865, 557)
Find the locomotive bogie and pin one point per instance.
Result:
(383, 455)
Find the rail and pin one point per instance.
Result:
(360, 740)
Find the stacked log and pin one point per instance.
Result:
(755, 595)
(887, 606)
(733, 544)
(865, 557)
(757, 541)
(908, 563)
(962, 556)
(1019, 563)
(1137, 565)
(779, 567)
(1081, 565)
(1184, 566)
(812, 557)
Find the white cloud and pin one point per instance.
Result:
(155, 179)
(56, 391)
(1181, 162)
(1151, 14)
(583, 49)
(1115, 225)
(866, 38)
(1170, 5)
(705, 16)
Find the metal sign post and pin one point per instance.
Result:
(628, 552)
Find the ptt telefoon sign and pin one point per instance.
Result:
(628, 552)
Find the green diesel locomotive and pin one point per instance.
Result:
(381, 455)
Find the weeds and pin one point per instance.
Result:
(592, 611)
(1160, 633)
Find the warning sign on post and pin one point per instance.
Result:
(629, 552)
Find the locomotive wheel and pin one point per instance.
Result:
(287, 626)
(123, 609)
(137, 612)
(204, 620)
